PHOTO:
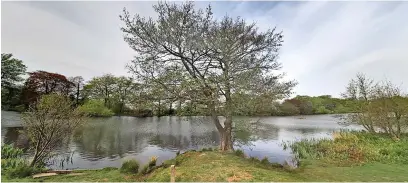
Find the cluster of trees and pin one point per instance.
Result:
(306, 105)
(379, 106)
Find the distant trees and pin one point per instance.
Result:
(12, 70)
(212, 59)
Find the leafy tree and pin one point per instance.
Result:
(124, 87)
(11, 71)
(214, 58)
(288, 109)
(78, 81)
(50, 123)
(101, 87)
(43, 83)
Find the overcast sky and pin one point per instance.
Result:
(326, 43)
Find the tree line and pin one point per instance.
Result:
(108, 95)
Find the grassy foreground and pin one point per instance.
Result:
(350, 157)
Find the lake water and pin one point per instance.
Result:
(104, 142)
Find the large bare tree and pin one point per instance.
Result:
(213, 59)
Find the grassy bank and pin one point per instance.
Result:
(350, 157)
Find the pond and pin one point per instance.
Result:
(104, 142)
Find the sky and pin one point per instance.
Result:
(325, 43)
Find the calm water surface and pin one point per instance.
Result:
(106, 142)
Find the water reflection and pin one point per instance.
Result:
(109, 141)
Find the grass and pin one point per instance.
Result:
(378, 158)
(354, 148)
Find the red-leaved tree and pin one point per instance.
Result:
(42, 83)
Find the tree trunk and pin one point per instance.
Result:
(225, 132)
(36, 155)
(159, 111)
(226, 142)
(77, 95)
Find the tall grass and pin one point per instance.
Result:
(353, 148)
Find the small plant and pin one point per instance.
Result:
(146, 169)
(152, 161)
(177, 153)
(9, 152)
(265, 161)
(239, 153)
(130, 166)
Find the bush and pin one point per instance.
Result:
(265, 161)
(146, 169)
(130, 166)
(152, 161)
(11, 157)
(239, 153)
(20, 171)
(95, 108)
(9, 152)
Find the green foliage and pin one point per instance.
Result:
(322, 110)
(265, 161)
(353, 148)
(288, 109)
(20, 171)
(239, 153)
(13, 164)
(9, 152)
(11, 69)
(130, 166)
(95, 108)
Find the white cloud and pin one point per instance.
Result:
(326, 43)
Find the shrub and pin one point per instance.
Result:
(130, 166)
(152, 161)
(265, 161)
(9, 152)
(239, 153)
(20, 171)
(146, 169)
(95, 108)
(11, 157)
